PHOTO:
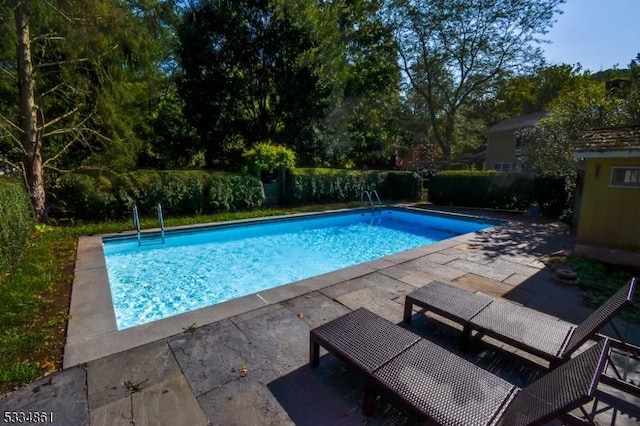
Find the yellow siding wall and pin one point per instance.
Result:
(609, 216)
(501, 148)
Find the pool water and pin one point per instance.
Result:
(199, 268)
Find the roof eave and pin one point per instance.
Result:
(617, 153)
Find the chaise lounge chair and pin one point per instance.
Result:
(534, 332)
(444, 388)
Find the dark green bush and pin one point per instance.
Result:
(401, 186)
(16, 221)
(307, 186)
(495, 190)
(179, 192)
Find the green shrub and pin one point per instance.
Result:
(495, 190)
(267, 157)
(308, 186)
(16, 221)
(180, 192)
(401, 186)
(86, 197)
(247, 192)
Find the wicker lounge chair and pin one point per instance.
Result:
(447, 389)
(534, 332)
(524, 328)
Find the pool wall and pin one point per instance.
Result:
(92, 331)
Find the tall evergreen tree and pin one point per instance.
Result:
(75, 69)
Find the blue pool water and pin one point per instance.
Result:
(197, 268)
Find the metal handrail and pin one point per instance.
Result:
(161, 222)
(370, 198)
(374, 192)
(136, 221)
(362, 194)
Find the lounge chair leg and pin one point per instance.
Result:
(408, 310)
(465, 343)
(370, 400)
(314, 353)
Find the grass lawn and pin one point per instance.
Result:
(35, 294)
(600, 281)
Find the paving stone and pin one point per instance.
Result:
(478, 269)
(255, 313)
(444, 272)
(90, 253)
(212, 355)
(315, 308)
(366, 298)
(542, 283)
(531, 261)
(503, 264)
(493, 288)
(516, 279)
(559, 308)
(397, 272)
(279, 341)
(439, 258)
(419, 279)
(325, 395)
(116, 413)
(62, 395)
(243, 402)
(466, 252)
(117, 376)
(170, 402)
(384, 285)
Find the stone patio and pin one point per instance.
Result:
(252, 368)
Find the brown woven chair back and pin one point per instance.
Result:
(605, 313)
(559, 391)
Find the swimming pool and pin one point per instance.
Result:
(196, 268)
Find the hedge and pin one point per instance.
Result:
(307, 186)
(16, 221)
(489, 189)
(99, 197)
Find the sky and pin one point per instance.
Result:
(598, 34)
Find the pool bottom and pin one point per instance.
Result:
(198, 269)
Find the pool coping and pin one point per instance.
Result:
(92, 331)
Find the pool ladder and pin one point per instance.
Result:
(370, 195)
(136, 222)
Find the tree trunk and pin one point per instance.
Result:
(30, 137)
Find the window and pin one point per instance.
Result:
(625, 176)
(502, 167)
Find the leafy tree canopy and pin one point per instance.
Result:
(453, 51)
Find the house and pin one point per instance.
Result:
(608, 196)
(502, 142)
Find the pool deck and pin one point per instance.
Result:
(245, 361)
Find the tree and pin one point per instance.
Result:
(247, 77)
(453, 51)
(69, 65)
(523, 94)
(586, 103)
(371, 86)
(29, 141)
